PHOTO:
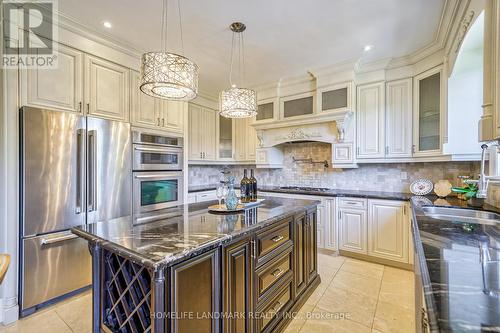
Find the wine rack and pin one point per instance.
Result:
(126, 295)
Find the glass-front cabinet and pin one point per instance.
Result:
(429, 113)
(297, 106)
(225, 138)
(335, 98)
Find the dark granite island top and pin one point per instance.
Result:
(186, 270)
(460, 269)
(185, 230)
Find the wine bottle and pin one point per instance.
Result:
(244, 187)
(253, 185)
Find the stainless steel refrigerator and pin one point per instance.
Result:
(73, 170)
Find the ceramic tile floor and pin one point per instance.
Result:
(354, 296)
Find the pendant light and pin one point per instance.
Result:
(238, 102)
(168, 75)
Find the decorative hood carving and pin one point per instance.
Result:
(320, 128)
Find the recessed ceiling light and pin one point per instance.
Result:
(107, 24)
(368, 48)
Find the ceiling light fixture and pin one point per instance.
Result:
(107, 24)
(238, 102)
(368, 48)
(168, 75)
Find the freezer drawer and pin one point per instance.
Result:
(53, 265)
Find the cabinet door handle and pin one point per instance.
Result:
(276, 239)
(79, 106)
(163, 122)
(386, 150)
(88, 107)
(413, 149)
(253, 249)
(158, 121)
(277, 273)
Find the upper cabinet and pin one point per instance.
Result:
(384, 120)
(148, 111)
(106, 89)
(297, 106)
(335, 98)
(60, 88)
(398, 119)
(225, 141)
(428, 115)
(202, 133)
(144, 109)
(266, 111)
(371, 120)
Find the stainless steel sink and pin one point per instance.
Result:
(462, 215)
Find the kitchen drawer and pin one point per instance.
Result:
(206, 196)
(273, 309)
(270, 241)
(272, 273)
(352, 203)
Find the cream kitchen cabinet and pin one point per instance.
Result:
(370, 120)
(107, 89)
(384, 124)
(60, 88)
(398, 119)
(157, 113)
(250, 141)
(388, 236)
(376, 228)
(352, 225)
(144, 109)
(429, 118)
(239, 138)
(245, 140)
(330, 225)
(202, 133)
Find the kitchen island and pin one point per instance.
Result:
(187, 270)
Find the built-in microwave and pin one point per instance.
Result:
(152, 151)
(154, 190)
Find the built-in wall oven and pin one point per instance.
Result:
(157, 171)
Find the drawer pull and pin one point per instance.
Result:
(277, 306)
(350, 203)
(276, 239)
(277, 273)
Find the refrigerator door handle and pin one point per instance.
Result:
(92, 170)
(55, 240)
(80, 169)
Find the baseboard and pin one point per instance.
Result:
(381, 261)
(8, 314)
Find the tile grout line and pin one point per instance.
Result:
(64, 321)
(315, 304)
(378, 297)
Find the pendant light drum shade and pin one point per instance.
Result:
(169, 76)
(238, 103)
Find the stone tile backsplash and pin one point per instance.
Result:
(395, 177)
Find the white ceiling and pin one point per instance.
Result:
(283, 38)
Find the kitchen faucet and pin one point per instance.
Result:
(484, 180)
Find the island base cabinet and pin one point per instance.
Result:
(237, 296)
(306, 254)
(194, 292)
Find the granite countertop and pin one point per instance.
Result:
(181, 232)
(460, 267)
(319, 192)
